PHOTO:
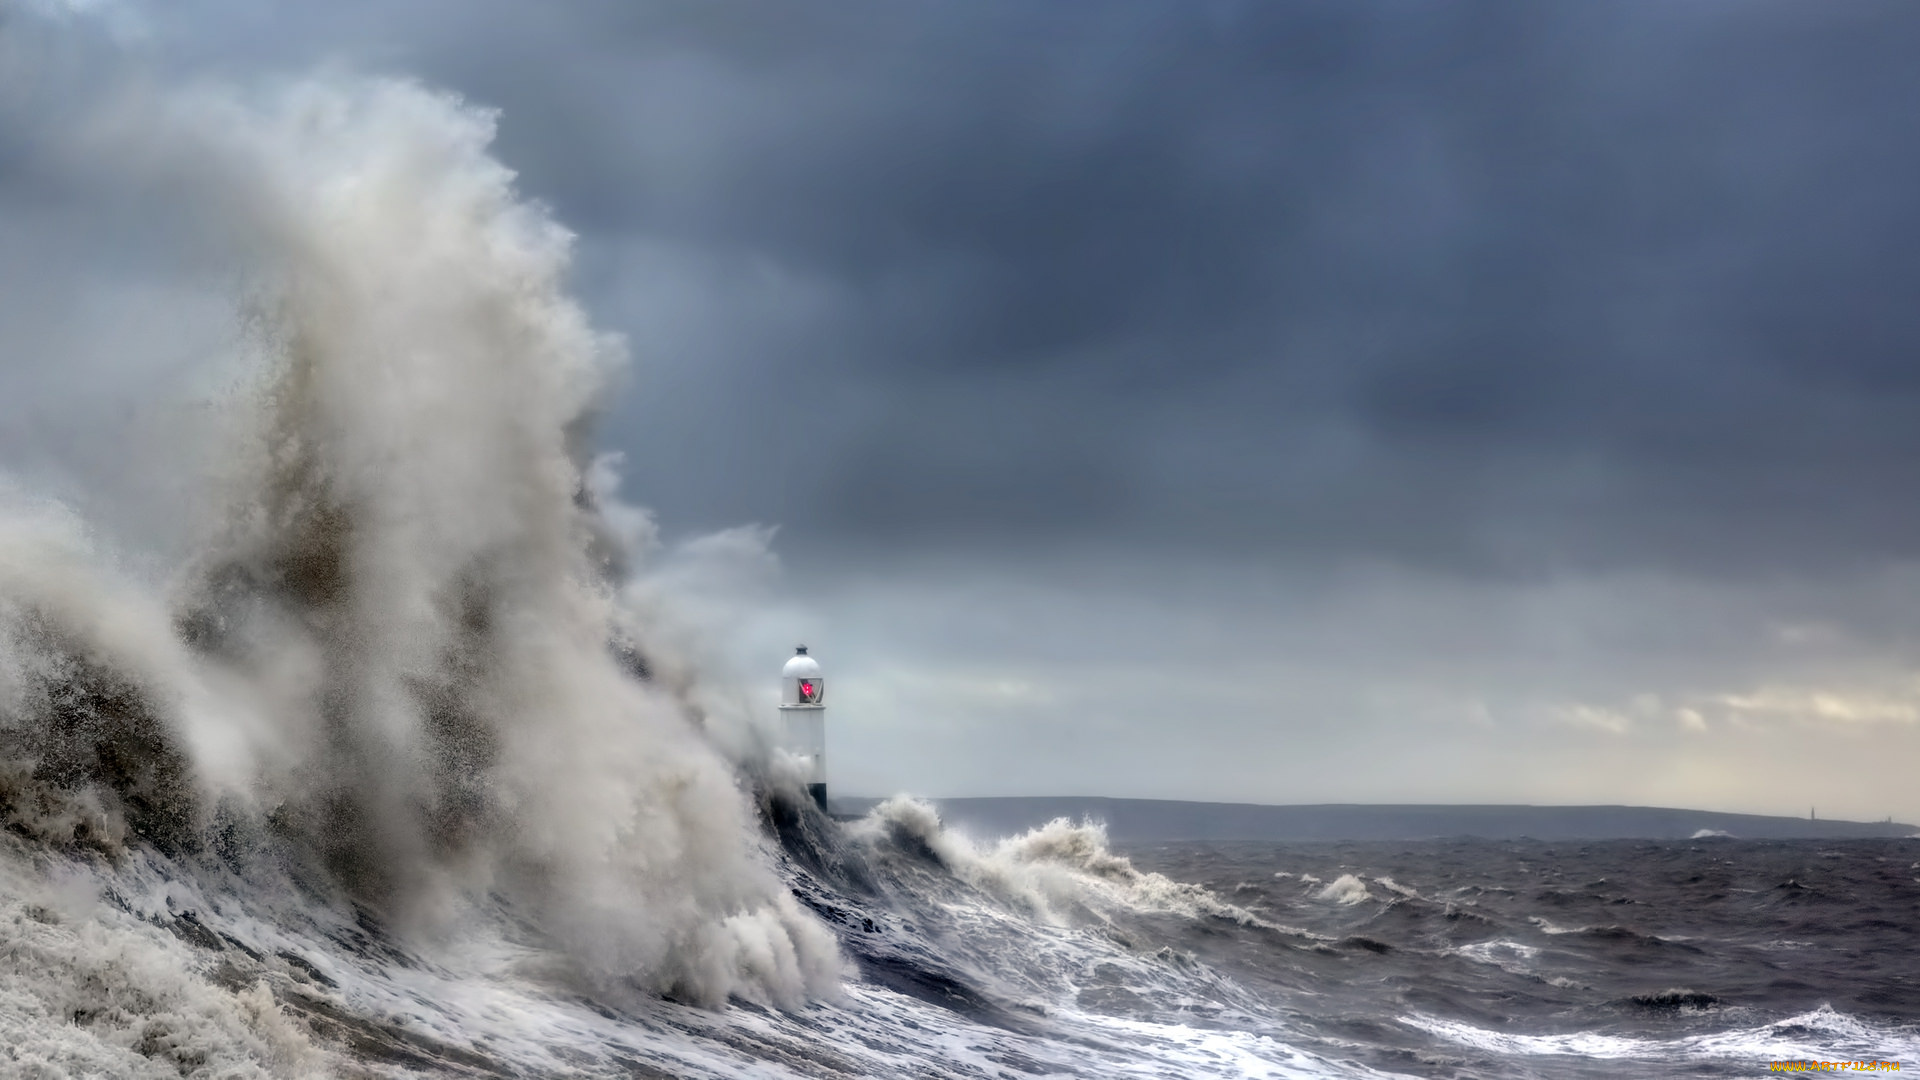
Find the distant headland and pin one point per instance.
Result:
(1136, 821)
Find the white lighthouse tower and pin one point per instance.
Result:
(804, 712)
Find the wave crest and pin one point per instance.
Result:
(1055, 871)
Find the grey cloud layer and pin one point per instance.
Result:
(1511, 287)
(1489, 288)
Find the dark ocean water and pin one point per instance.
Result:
(1044, 954)
(1472, 958)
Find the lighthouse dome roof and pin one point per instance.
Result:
(801, 666)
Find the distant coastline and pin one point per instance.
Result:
(1134, 821)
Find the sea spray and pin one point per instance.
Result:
(399, 655)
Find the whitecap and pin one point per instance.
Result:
(1346, 890)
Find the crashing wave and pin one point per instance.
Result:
(1053, 871)
(399, 667)
(1345, 889)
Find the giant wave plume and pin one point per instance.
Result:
(399, 666)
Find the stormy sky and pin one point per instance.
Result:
(1281, 402)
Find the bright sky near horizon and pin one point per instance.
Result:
(1274, 402)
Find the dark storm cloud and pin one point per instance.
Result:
(1496, 287)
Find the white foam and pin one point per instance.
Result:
(1346, 890)
(90, 990)
(1822, 1034)
(1393, 886)
(1575, 1044)
(1507, 955)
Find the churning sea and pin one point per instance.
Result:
(1043, 954)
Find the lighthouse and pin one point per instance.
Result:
(804, 712)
